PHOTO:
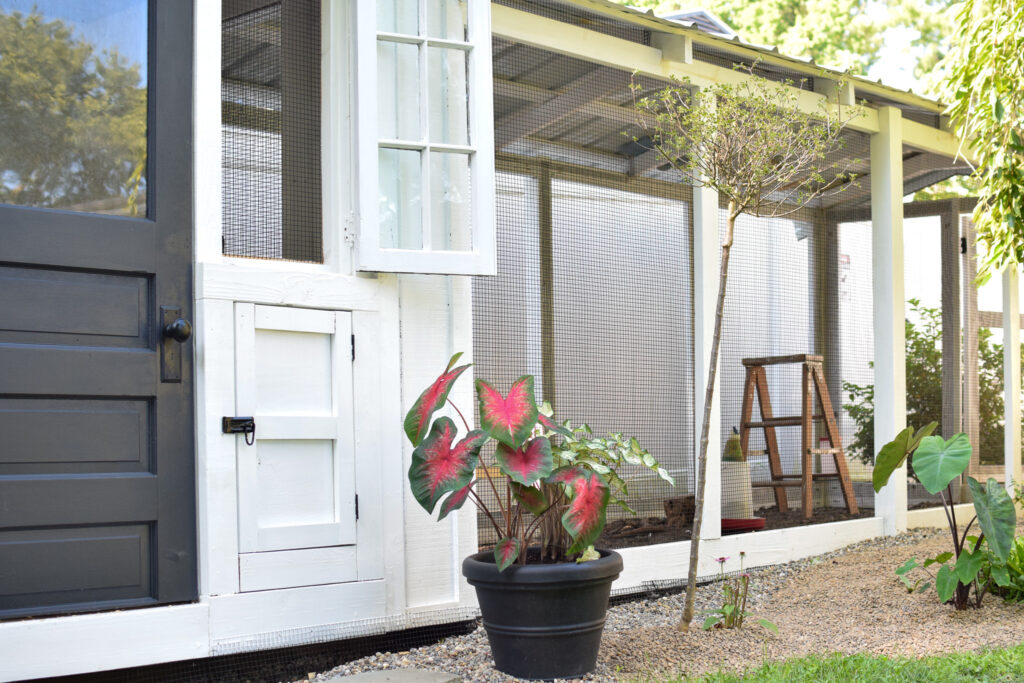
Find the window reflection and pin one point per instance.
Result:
(73, 102)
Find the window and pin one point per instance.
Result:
(424, 131)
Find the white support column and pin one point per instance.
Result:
(1011, 375)
(707, 258)
(887, 280)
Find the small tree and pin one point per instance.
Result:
(766, 157)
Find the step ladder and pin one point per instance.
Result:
(813, 382)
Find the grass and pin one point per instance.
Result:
(1003, 664)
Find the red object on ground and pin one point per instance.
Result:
(736, 526)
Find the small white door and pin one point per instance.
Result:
(296, 482)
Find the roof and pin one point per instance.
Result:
(705, 20)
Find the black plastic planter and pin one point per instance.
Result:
(544, 620)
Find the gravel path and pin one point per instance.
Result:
(844, 601)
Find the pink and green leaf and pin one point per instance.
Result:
(417, 421)
(527, 464)
(440, 465)
(506, 552)
(509, 419)
(530, 497)
(553, 426)
(455, 501)
(584, 519)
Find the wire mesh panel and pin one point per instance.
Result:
(270, 90)
(593, 294)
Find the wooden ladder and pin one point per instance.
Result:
(813, 382)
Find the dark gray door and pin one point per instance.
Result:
(97, 506)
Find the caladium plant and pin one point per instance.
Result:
(552, 475)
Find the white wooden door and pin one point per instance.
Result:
(297, 504)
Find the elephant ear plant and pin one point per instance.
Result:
(559, 491)
(937, 462)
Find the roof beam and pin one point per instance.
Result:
(915, 165)
(575, 95)
(596, 108)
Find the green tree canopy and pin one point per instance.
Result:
(72, 121)
(985, 72)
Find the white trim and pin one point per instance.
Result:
(336, 130)
(889, 302)
(936, 516)
(707, 260)
(482, 258)
(206, 122)
(275, 283)
(1011, 375)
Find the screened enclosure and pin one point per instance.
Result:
(595, 286)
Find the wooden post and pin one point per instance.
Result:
(1011, 375)
(887, 282)
(547, 287)
(706, 264)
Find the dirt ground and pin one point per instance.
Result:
(850, 603)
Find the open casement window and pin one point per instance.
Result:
(426, 159)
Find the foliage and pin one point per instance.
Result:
(73, 122)
(733, 611)
(938, 462)
(558, 481)
(842, 33)
(753, 144)
(985, 68)
(1002, 664)
(924, 392)
(1007, 576)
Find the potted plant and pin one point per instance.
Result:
(543, 606)
(737, 501)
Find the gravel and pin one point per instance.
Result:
(846, 601)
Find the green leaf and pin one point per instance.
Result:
(769, 625)
(728, 610)
(996, 515)
(907, 566)
(998, 110)
(941, 558)
(709, 622)
(1000, 575)
(663, 473)
(938, 462)
(968, 565)
(890, 458)
(945, 583)
(924, 587)
(921, 433)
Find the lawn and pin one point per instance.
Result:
(1000, 664)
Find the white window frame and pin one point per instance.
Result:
(482, 259)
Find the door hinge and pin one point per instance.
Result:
(348, 229)
(357, 506)
(353, 347)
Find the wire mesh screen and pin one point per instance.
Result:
(593, 294)
(925, 358)
(796, 339)
(270, 91)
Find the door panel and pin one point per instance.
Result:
(296, 481)
(97, 506)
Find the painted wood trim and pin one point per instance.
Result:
(216, 470)
(285, 284)
(206, 126)
(707, 259)
(936, 517)
(294, 319)
(245, 404)
(888, 310)
(291, 568)
(246, 616)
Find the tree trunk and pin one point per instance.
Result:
(698, 507)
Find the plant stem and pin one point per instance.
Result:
(452, 404)
(952, 525)
(952, 512)
(480, 504)
(709, 394)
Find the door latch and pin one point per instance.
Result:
(240, 425)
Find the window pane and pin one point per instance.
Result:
(401, 214)
(450, 205)
(449, 106)
(398, 16)
(446, 19)
(398, 91)
(73, 103)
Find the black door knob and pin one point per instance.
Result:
(180, 330)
